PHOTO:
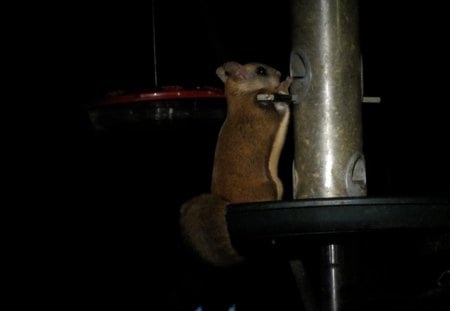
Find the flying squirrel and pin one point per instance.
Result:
(246, 159)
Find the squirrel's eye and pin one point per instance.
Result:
(261, 71)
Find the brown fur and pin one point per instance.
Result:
(246, 159)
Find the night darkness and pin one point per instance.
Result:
(135, 180)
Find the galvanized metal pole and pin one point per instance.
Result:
(329, 162)
(326, 66)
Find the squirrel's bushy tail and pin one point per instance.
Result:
(204, 228)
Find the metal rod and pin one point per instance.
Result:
(332, 278)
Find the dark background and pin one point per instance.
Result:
(133, 181)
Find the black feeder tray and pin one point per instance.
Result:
(327, 227)
(263, 225)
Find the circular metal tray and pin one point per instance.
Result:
(267, 224)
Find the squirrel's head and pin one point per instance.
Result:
(248, 78)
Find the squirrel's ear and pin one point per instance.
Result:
(221, 74)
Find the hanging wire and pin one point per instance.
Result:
(155, 70)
